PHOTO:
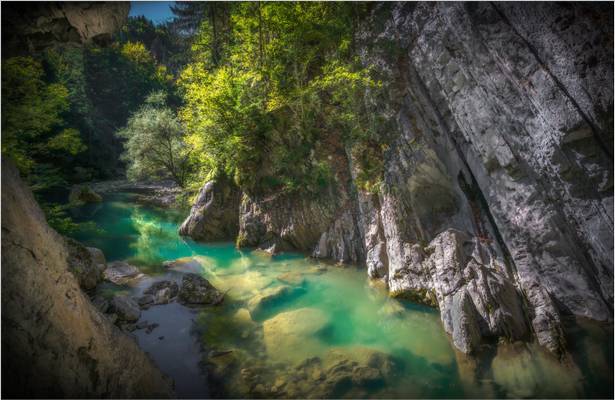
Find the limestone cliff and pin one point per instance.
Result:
(55, 343)
(497, 199)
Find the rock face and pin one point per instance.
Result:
(496, 203)
(215, 213)
(35, 26)
(55, 343)
(85, 263)
(457, 273)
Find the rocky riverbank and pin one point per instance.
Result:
(55, 343)
(496, 202)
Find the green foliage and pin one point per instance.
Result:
(155, 146)
(58, 218)
(31, 112)
(270, 101)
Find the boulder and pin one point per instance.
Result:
(267, 298)
(83, 265)
(215, 212)
(126, 308)
(120, 272)
(197, 290)
(161, 292)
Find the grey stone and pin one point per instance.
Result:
(215, 212)
(125, 308)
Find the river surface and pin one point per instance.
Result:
(291, 326)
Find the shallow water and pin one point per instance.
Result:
(254, 348)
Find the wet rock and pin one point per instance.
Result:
(214, 214)
(366, 376)
(125, 308)
(120, 272)
(83, 265)
(197, 290)
(141, 325)
(161, 292)
(292, 278)
(267, 298)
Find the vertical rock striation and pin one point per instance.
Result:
(497, 199)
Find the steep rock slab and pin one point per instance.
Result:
(459, 275)
(491, 119)
(215, 212)
(55, 343)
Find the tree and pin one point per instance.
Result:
(289, 81)
(155, 146)
(33, 127)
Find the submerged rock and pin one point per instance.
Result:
(197, 290)
(291, 335)
(267, 298)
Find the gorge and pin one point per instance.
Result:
(442, 228)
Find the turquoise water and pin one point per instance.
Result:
(281, 311)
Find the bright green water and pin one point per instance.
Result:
(357, 317)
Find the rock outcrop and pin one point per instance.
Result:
(38, 25)
(496, 201)
(215, 213)
(55, 343)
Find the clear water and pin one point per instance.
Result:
(325, 311)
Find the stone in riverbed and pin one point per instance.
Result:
(197, 290)
(161, 292)
(292, 278)
(267, 298)
(119, 272)
(145, 301)
(291, 336)
(125, 308)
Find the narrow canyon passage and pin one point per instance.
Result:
(331, 199)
